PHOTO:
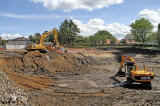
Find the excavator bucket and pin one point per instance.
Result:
(120, 73)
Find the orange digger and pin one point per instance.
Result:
(133, 73)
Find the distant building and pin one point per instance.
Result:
(131, 42)
(108, 41)
(18, 43)
(117, 41)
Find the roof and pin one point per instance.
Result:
(20, 39)
(18, 42)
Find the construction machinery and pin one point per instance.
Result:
(133, 73)
(40, 46)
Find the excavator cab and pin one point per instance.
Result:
(129, 66)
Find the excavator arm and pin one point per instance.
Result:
(125, 58)
(56, 37)
(41, 42)
(40, 45)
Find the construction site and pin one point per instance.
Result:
(74, 78)
(79, 53)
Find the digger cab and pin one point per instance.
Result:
(129, 66)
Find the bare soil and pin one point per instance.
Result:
(79, 78)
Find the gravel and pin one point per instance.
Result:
(10, 94)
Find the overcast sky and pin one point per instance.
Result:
(24, 17)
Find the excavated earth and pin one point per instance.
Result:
(76, 78)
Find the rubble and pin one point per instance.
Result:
(10, 93)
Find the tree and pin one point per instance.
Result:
(140, 29)
(3, 42)
(68, 31)
(152, 38)
(159, 27)
(129, 37)
(158, 34)
(102, 35)
(37, 34)
(123, 41)
(80, 40)
(35, 38)
(100, 38)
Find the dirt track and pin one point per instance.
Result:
(78, 78)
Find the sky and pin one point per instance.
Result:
(25, 17)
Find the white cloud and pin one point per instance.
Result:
(96, 24)
(31, 16)
(68, 5)
(10, 36)
(153, 16)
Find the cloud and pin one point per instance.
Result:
(9, 28)
(31, 16)
(10, 36)
(68, 5)
(96, 24)
(153, 16)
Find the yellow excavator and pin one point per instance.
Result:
(133, 73)
(40, 46)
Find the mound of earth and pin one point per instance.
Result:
(31, 71)
(39, 63)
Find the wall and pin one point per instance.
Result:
(9, 47)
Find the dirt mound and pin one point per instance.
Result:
(30, 70)
(39, 63)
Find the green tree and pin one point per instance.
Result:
(152, 38)
(80, 40)
(158, 34)
(68, 32)
(129, 37)
(100, 38)
(159, 27)
(30, 37)
(3, 42)
(35, 38)
(103, 35)
(140, 29)
(123, 41)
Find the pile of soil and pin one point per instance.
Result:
(39, 63)
(32, 70)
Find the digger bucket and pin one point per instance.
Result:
(120, 73)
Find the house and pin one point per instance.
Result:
(108, 41)
(131, 42)
(18, 43)
(118, 41)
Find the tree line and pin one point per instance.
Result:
(69, 34)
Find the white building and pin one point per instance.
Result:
(18, 43)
